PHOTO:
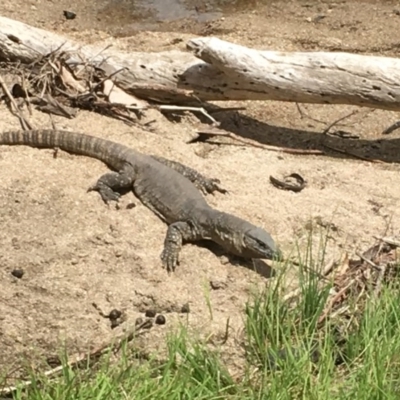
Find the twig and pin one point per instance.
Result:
(216, 110)
(226, 336)
(379, 281)
(180, 108)
(333, 301)
(26, 91)
(353, 155)
(291, 295)
(329, 267)
(89, 60)
(303, 114)
(391, 128)
(42, 56)
(324, 273)
(326, 130)
(24, 122)
(249, 142)
(365, 259)
(98, 84)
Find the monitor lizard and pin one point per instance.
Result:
(168, 188)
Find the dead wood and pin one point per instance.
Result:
(152, 76)
(353, 282)
(219, 70)
(207, 133)
(304, 77)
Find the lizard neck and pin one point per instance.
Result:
(224, 229)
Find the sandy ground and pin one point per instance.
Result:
(76, 251)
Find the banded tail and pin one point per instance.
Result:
(111, 153)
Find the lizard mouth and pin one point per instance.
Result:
(261, 248)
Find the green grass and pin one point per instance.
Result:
(287, 356)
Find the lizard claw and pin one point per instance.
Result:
(169, 261)
(216, 188)
(106, 193)
(210, 186)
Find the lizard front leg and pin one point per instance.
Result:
(177, 233)
(206, 185)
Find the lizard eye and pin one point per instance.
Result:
(261, 243)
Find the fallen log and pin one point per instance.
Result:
(226, 71)
(304, 77)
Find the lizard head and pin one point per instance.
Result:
(240, 237)
(258, 243)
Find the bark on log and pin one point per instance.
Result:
(226, 71)
(308, 77)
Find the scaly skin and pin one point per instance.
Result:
(168, 188)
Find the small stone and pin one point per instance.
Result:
(185, 309)
(114, 314)
(217, 284)
(53, 361)
(18, 273)
(318, 18)
(150, 313)
(160, 320)
(118, 253)
(69, 15)
(115, 323)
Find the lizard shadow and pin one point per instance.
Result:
(256, 265)
(332, 145)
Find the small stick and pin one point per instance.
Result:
(180, 108)
(106, 78)
(327, 129)
(24, 122)
(329, 267)
(292, 294)
(333, 301)
(226, 336)
(353, 155)
(304, 115)
(372, 264)
(25, 89)
(391, 128)
(379, 281)
(325, 272)
(89, 60)
(253, 143)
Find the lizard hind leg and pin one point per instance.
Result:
(202, 182)
(112, 184)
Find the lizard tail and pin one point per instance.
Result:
(109, 152)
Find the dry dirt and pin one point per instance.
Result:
(76, 251)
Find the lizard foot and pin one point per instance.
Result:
(209, 186)
(106, 193)
(169, 260)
